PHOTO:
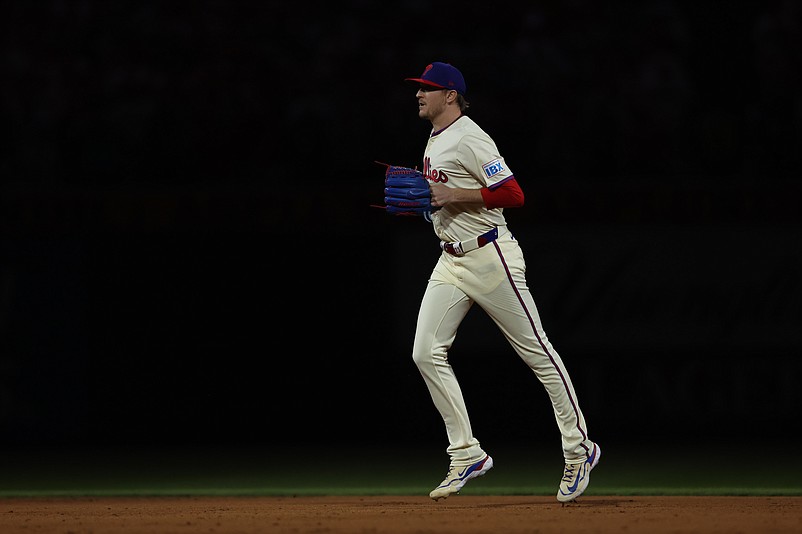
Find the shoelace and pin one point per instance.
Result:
(568, 476)
(451, 469)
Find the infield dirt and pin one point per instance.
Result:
(402, 514)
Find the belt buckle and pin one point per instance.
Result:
(457, 248)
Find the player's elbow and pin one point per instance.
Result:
(506, 195)
(517, 198)
(516, 193)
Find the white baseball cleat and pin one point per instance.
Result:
(577, 476)
(458, 476)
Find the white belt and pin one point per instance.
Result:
(460, 248)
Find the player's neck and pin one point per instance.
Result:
(445, 119)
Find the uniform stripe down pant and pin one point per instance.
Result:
(494, 278)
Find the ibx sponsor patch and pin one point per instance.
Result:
(493, 168)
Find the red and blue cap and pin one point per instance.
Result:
(442, 76)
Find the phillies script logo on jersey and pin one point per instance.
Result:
(433, 175)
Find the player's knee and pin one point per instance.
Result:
(420, 357)
(429, 356)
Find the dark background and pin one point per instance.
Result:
(188, 256)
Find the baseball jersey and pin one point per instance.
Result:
(463, 155)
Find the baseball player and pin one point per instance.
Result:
(482, 263)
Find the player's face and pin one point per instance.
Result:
(431, 102)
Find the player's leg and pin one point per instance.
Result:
(523, 330)
(442, 310)
(512, 308)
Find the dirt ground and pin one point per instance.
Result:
(383, 514)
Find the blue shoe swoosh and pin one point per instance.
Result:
(573, 487)
(584, 469)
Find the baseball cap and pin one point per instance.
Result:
(442, 75)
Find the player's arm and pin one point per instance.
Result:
(507, 194)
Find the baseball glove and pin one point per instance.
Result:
(406, 192)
